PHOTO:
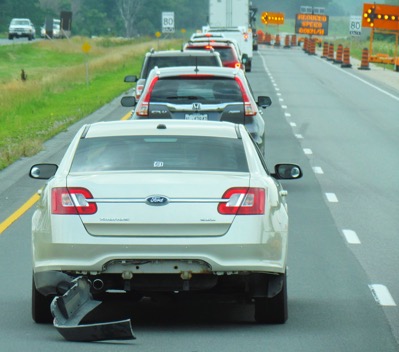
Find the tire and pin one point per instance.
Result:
(41, 313)
(272, 310)
(10, 37)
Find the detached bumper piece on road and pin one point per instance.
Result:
(71, 308)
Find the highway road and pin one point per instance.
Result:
(342, 127)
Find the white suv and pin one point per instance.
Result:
(21, 27)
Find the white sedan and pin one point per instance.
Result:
(166, 206)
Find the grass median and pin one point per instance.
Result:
(57, 90)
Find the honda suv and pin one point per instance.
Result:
(201, 93)
(169, 58)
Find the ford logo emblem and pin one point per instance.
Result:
(157, 200)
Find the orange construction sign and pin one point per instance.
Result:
(272, 17)
(381, 16)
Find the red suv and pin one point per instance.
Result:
(228, 52)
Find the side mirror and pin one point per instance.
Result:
(264, 101)
(287, 172)
(128, 101)
(43, 171)
(244, 58)
(130, 79)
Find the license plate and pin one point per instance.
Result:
(196, 116)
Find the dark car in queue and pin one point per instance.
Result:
(201, 93)
(228, 51)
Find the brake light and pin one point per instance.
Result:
(139, 90)
(73, 200)
(142, 108)
(243, 201)
(249, 106)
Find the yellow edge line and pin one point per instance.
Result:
(31, 201)
(17, 214)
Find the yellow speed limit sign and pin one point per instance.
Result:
(86, 47)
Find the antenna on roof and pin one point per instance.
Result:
(196, 65)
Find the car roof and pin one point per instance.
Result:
(162, 127)
(194, 70)
(174, 53)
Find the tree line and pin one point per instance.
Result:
(126, 18)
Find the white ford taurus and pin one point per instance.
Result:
(163, 206)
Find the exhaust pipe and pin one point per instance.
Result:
(98, 284)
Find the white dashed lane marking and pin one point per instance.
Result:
(351, 237)
(318, 170)
(382, 295)
(331, 197)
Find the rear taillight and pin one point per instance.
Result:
(142, 107)
(249, 106)
(73, 200)
(243, 201)
(139, 90)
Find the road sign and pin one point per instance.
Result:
(168, 22)
(272, 17)
(86, 47)
(311, 24)
(355, 25)
(381, 16)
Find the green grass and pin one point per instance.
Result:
(57, 93)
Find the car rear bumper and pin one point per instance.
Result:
(153, 258)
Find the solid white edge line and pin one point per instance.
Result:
(351, 236)
(381, 295)
(362, 80)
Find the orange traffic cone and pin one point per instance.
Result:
(346, 61)
(338, 56)
(287, 42)
(312, 47)
(330, 56)
(325, 50)
(364, 65)
(293, 40)
(277, 42)
(306, 45)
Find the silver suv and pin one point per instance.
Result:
(21, 27)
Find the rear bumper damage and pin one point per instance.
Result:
(76, 303)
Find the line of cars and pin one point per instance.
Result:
(175, 201)
(24, 28)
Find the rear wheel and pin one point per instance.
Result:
(272, 310)
(41, 313)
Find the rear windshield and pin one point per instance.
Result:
(160, 153)
(171, 61)
(183, 90)
(226, 52)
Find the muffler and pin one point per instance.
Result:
(70, 309)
